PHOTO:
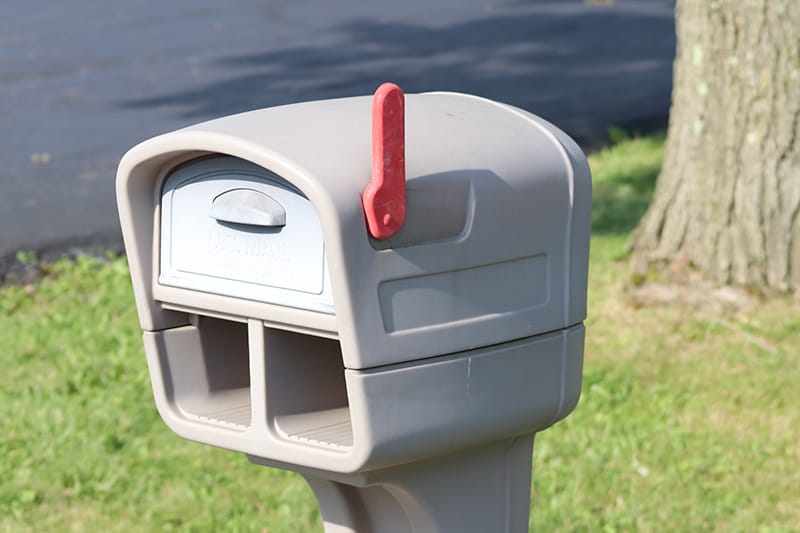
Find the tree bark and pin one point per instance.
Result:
(727, 201)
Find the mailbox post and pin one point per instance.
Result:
(385, 295)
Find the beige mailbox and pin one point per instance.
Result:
(399, 347)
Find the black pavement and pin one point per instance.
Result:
(83, 81)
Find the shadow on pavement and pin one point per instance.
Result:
(583, 70)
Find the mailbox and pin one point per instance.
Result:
(385, 295)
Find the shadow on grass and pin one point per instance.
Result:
(624, 182)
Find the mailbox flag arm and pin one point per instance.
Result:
(384, 198)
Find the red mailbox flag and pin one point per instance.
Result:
(384, 199)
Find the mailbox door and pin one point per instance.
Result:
(229, 227)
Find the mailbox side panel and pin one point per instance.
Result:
(411, 411)
(580, 225)
(509, 273)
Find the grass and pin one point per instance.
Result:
(688, 420)
(623, 178)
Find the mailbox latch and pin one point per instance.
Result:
(249, 207)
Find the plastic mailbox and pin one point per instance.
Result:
(386, 297)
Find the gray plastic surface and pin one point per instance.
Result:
(451, 344)
(514, 195)
(287, 397)
(229, 227)
(481, 490)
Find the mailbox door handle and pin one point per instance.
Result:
(249, 207)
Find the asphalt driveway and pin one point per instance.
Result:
(83, 81)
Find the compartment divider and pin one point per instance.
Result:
(256, 335)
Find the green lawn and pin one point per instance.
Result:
(689, 419)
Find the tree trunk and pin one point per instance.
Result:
(727, 200)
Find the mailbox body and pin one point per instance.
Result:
(313, 344)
